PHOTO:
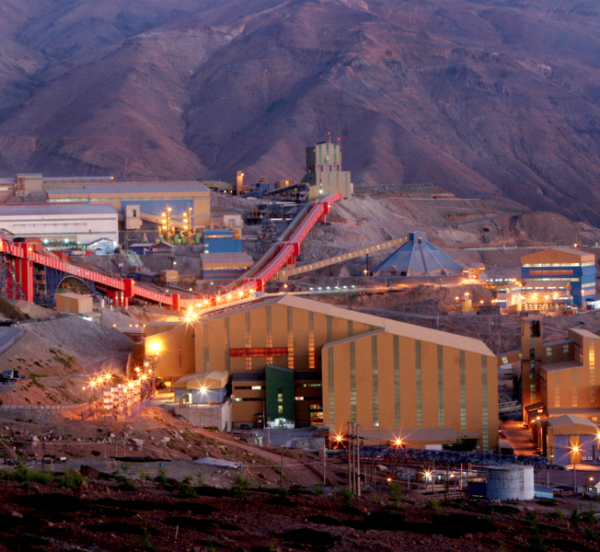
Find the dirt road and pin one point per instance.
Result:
(300, 472)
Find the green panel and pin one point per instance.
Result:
(441, 412)
(227, 345)
(331, 381)
(206, 349)
(374, 361)
(485, 416)
(280, 396)
(397, 381)
(269, 327)
(330, 375)
(353, 382)
(463, 392)
(419, 389)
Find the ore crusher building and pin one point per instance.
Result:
(306, 362)
(565, 265)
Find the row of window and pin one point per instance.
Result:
(590, 263)
(259, 387)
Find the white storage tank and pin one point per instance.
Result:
(510, 483)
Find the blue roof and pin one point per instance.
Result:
(418, 257)
(218, 233)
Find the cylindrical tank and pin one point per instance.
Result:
(510, 482)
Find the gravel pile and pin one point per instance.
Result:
(85, 340)
(121, 319)
(33, 310)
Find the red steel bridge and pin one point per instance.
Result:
(35, 276)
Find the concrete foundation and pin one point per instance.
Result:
(204, 415)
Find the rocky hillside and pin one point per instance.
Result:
(482, 97)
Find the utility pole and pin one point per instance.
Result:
(325, 462)
(350, 460)
(358, 485)
(354, 458)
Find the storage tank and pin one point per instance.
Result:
(510, 483)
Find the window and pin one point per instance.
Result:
(258, 352)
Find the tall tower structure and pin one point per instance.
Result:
(324, 174)
(531, 351)
(239, 183)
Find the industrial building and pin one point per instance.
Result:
(201, 388)
(27, 183)
(559, 377)
(58, 225)
(572, 266)
(567, 439)
(74, 302)
(224, 266)
(536, 295)
(141, 201)
(296, 361)
(418, 258)
(324, 174)
(222, 241)
(558, 384)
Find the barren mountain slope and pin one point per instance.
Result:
(481, 97)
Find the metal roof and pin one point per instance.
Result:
(211, 380)
(49, 209)
(130, 188)
(558, 366)
(411, 331)
(583, 333)
(79, 178)
(417, 257)
(556, 255)
(568, 419)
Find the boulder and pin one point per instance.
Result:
(89, 471)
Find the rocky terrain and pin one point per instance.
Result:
(483, 98)
(107, 511)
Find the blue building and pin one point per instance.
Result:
(574, 266)
(222, 241)
(418, 258)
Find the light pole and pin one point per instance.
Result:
(575, 451)
(155, 348)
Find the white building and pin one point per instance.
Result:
(54, 223)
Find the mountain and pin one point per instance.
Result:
(481, 97)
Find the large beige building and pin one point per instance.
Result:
(313, 362)
(149, 198)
